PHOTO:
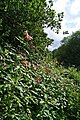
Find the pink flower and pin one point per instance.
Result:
(23, 54)
(48, 73)
(35, 48)
(27, 36)
(26, 63)
(55, 75)
(47, 69)
(37, 80)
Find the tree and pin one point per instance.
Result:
(69, 51)
(32, 15)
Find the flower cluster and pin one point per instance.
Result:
(27, 36)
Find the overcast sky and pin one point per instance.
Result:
(71, 20)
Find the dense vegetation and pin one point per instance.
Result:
(41, 90)
(69, 51)
(32, 85)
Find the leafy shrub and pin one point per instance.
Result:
(41, 90)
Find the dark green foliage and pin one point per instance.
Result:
(19, 15)
(69, 51)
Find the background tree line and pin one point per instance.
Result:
(69, 51)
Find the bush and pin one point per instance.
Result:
(37, 89)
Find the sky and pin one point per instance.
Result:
(70, 23)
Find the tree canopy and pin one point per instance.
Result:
(17, 16)
(69, 51)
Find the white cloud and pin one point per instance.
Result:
(56, 37)
(71, 20)
(60, 5)
(75, 8)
